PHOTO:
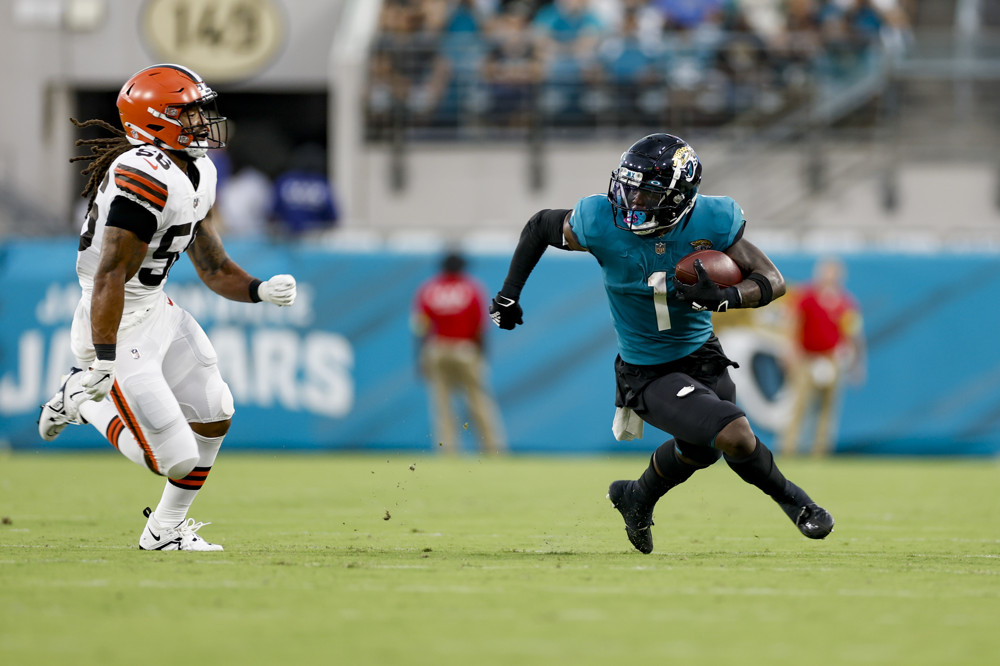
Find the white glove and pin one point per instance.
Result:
(98, 380)
(279, 290)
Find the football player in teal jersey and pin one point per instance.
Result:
(671, 371)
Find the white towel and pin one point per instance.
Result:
(627, 425)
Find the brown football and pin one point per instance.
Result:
(720, 267)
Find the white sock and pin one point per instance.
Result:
(178, 494)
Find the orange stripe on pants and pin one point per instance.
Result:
(114, 431)
(128, 417)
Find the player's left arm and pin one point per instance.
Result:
(763, 282)
(226, 278)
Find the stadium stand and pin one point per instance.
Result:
(829, 120)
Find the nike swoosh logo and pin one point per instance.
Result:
(163, 546)
(155, 167)
(155, 536)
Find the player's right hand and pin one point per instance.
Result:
(505, 312)
(98, 380)
(705, 294)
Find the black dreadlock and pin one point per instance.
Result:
(103, 152)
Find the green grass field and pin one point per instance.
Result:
(409, 559)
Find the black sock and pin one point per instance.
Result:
(759, 469)
(674, 472)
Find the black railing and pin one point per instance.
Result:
(459, 87)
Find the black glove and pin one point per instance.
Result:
(505, 312)
(705, 294)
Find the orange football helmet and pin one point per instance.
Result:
(153, 105)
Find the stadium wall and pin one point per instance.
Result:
(467, 189)
(53, 48)
(336, 371)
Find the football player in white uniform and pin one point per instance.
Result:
(151, 384)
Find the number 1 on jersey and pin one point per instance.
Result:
(658, 281)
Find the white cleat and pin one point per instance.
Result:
(180, 537)
(62, 408)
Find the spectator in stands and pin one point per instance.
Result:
(512, 68)
(688, 14)
(827, 347)
(795, 46)
(533, 6)
(303, 196)
(633, 40)
(897, 34)
(650, 20)
(568, 33)
(865, 19)
(462, 17)
(568, 29)
(462, 49)
(697, 90)
(743, 59)
(408, 50)
(449, 314)
(627, 80)
(843, 49)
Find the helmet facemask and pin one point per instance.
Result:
(202, 128)
(171, 107)
(653, 206)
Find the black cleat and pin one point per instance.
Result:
(638, 517)
(814, 521)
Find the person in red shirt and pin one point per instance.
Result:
(827, 348)
(449, 314)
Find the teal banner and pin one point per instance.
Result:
(337, 370)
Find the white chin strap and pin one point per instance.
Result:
(199, 149)
(650, 227)
(645, 228)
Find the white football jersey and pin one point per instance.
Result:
(148, 176)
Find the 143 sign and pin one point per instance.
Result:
(219, 39)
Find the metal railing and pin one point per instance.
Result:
(459, 87)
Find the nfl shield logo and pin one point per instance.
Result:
(660, 248)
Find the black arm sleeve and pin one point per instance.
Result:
(127, 214)
(543, 229)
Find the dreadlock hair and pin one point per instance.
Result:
(103, 151)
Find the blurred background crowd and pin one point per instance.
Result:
(458, 65)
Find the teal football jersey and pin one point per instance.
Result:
(653, 325)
